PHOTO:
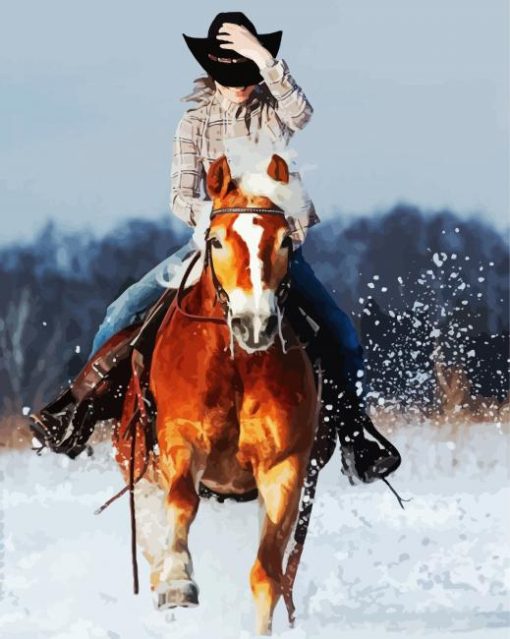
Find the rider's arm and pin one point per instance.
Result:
(303, 215)
(185, 197)
(293, 108)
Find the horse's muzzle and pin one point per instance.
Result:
(254, 332)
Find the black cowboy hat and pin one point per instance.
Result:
(225, 65)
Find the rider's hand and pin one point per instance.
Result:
(237, 38)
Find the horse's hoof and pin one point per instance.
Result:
(178, 593)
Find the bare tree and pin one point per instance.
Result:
(27, 354)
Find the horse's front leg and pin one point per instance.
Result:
(181, 465)
(279, 487)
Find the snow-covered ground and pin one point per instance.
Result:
(369, 569)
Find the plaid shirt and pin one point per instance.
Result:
(275, 110)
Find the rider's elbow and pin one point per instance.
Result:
(301, 119)
(182, 210)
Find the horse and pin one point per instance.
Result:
(235, 396)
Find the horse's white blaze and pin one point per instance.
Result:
(258, 303)
(251, 234)
(242, 303)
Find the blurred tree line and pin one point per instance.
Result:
(422, 290)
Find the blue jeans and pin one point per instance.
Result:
(321, 306)
(323, 309)
(135, 300)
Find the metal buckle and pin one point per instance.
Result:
(99, 372)
(226, 60)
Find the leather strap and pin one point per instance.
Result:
(97, 370)
(239, 210)
(180, 296)
(215, 58)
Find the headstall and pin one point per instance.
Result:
(221, 293)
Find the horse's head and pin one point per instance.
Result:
(249, 251)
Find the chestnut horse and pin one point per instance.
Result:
(236, 401)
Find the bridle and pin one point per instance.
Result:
(221, 293)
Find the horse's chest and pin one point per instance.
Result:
(194, 365)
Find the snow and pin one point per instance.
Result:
(369, 569)
(439, 258)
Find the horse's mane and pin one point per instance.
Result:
(290, 197)
(249, 162)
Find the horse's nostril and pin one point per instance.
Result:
(239, 326)
(255, 331)
(271, 325)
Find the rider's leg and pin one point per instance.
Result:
(55, 424)
(322, 308)
(135, 300)
(366, 454)
(66, 423)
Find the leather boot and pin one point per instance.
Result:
(65, 424)
(366, 454)
(97, 393)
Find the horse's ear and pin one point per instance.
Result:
(278, 169)
(219, 178)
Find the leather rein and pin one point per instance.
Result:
(221, 293)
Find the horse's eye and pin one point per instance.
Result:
(286, 243)
(215, 243)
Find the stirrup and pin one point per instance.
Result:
(366, 454)
(66, 432)
(374, 466)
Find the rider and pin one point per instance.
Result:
(247, 95)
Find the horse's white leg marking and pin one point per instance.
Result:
(176, 565)
(158, 536)
(151, 522)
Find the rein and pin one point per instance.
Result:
(180, 296)
(240, 209)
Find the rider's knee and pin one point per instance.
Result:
(124, 306)
(345, 333)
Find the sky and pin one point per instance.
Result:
(410, 98)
